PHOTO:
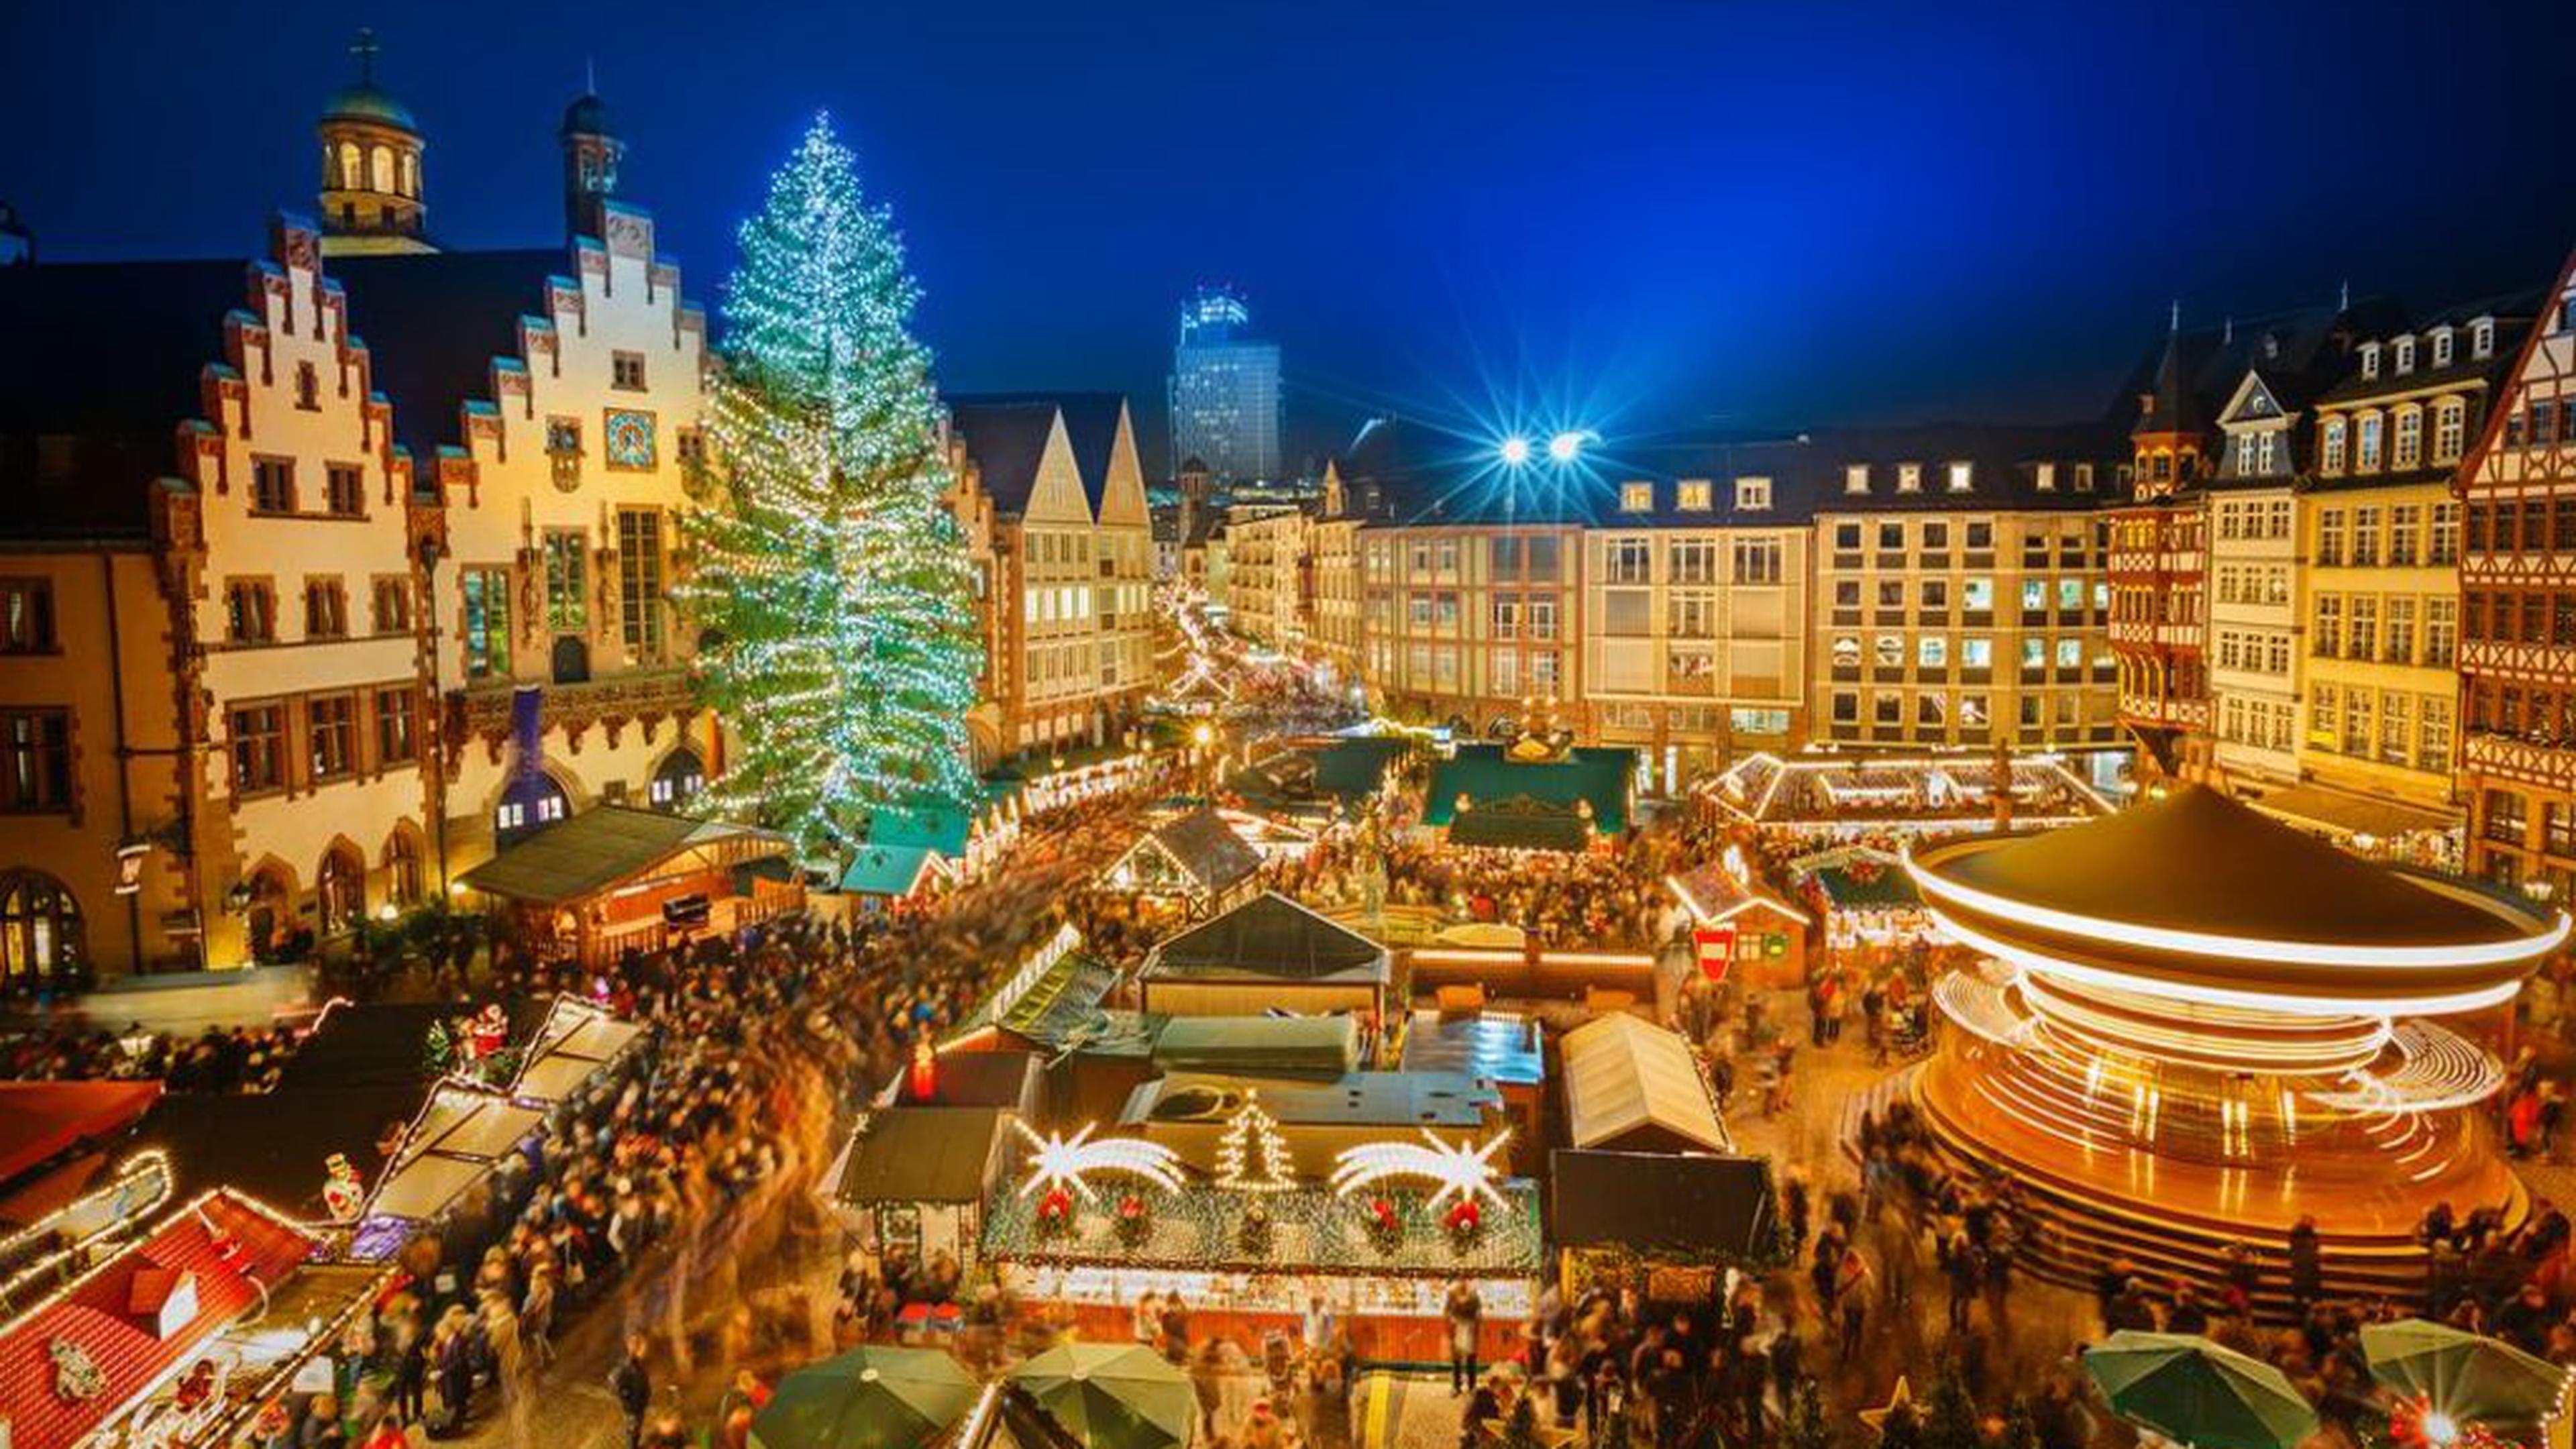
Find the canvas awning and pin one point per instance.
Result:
(451, 1146)
(576, 1039)
(1630, 1083)
(924, 1154)
(607, 844)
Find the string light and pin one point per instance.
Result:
(1058, 1161)
(834, 586)
(1467, 1173)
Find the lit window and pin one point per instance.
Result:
(1960, 475)
(2405, 355)
(1753, 493)
(1636, 497)
(1856, 478)
(2442, 348)
(1909, 477)
(1693, 495)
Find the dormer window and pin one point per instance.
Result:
(2044, 477)
(1856, 478)
(2370, 359)
(2083, 477)
(1909, 477)
(1752, 494)
(1636, 497)
(2482, 338)
(2405, 356)
(1961, 474)
(2267, 454)
(2333, 451)
(2442, 347)
(1693, 495)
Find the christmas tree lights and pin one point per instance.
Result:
(833, 588)
(1251, 1155)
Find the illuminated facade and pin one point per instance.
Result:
(2169, 1063)
(1270, 573)
(1960, 593)
(1051, 499)
(1225, 398)
(2518, 626)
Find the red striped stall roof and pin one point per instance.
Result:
(231, 1245)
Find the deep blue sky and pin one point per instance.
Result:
(1633, 214)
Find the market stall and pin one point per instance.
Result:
(1742, 929)
(1829, 796)
(613, 878)
(1631, 1085)
(1662, 1223)
(1270, 953)
(915, 1180)
(576, 1042)
(1196, 864)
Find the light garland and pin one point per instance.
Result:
(1061, 1163)
(1468, 1173)
(1252, 1129)
(834, 584)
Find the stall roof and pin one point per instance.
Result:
(1491, 779)
(1858, 878)
(1202, 846)
(1269, 937)
(1499, 1046)
(1712, 895)
(379, 1044)
(2346, 813)
(925, 1154)
(1356, 1099)
(41, 1120)
(576, 1039)
(889, 870)
(452, 1144)
(978, 1079)
(1046, 1003)
(1327, 1046)
(226, 1247)
(1659, 1204)
(1629, 1080)
(597, 848)
(272, 1145)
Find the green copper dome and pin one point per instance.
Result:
(363, 102)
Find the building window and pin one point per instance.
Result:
(1909, 477)
(2332, 461)
(402, 869)
(2327, 632)
(1855, 479)
(2404, 355)
(2441, 632)
(487, 622)
(2442, 348)
(2482, 339)
(40, 927)
(396, 711)
(1753, 494)
(2442, 543)
(2366, 449)
(308, 387)
(326, 609)
(677, 780)
(1961, 474)
(39, 777)
(691, 446)
(2450, 429)
(1691, 561)
(626, 371)
(331, 721)
(567, 581)
(2365, 538)
(1636, 497)
(272, 485)
(639, 581)
(259, 747)
(1757, 561)
(250, 611)
(1629, 560)
(1694, 495)
(391, 610)
(344, 490)
(2330, 538)
(2409, 444)
(26, 616)
(2370, 359)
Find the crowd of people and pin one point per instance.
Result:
(217, 1059)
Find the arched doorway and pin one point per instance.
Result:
(40, 928)
(677, 780)
(340, 889)
(402, 868)
(271, 913)
(530, 804)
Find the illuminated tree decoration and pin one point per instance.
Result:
(831, 586)
(1468, 1173)
(1058, 1163)
(1252, 1156)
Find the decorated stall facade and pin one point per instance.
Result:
(1833, 797)
(613, 878)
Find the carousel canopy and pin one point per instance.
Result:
(2195, 891)
(1631, 1083)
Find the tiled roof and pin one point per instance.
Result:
(1268, 936)
(434, 321)
(230, 1247)
(108, 354)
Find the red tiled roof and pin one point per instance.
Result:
(255, 1249)
(40, 1119)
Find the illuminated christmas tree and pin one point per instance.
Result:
(832, 586)
(1251, 1156)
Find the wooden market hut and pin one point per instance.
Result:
(1631, 1085)
(1743, 929)
(915, 1178)
(1268, 953)
(1662, 1223)
(1482, 796)
(614, 877)
(1197, 860)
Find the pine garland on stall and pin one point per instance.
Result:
(833, 588)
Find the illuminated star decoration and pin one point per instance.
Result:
(1064, 1162)
(1468, 1172)
(1901, 1401)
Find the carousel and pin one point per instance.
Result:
(2196, 1027)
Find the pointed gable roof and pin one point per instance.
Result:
(1007, 439)
(1091, 425)
(436, 322)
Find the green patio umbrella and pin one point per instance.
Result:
(2190, 1390)
(2475, 1380)
(868, 1398)
(1111, 1395)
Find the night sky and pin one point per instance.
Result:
(1622, 215)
